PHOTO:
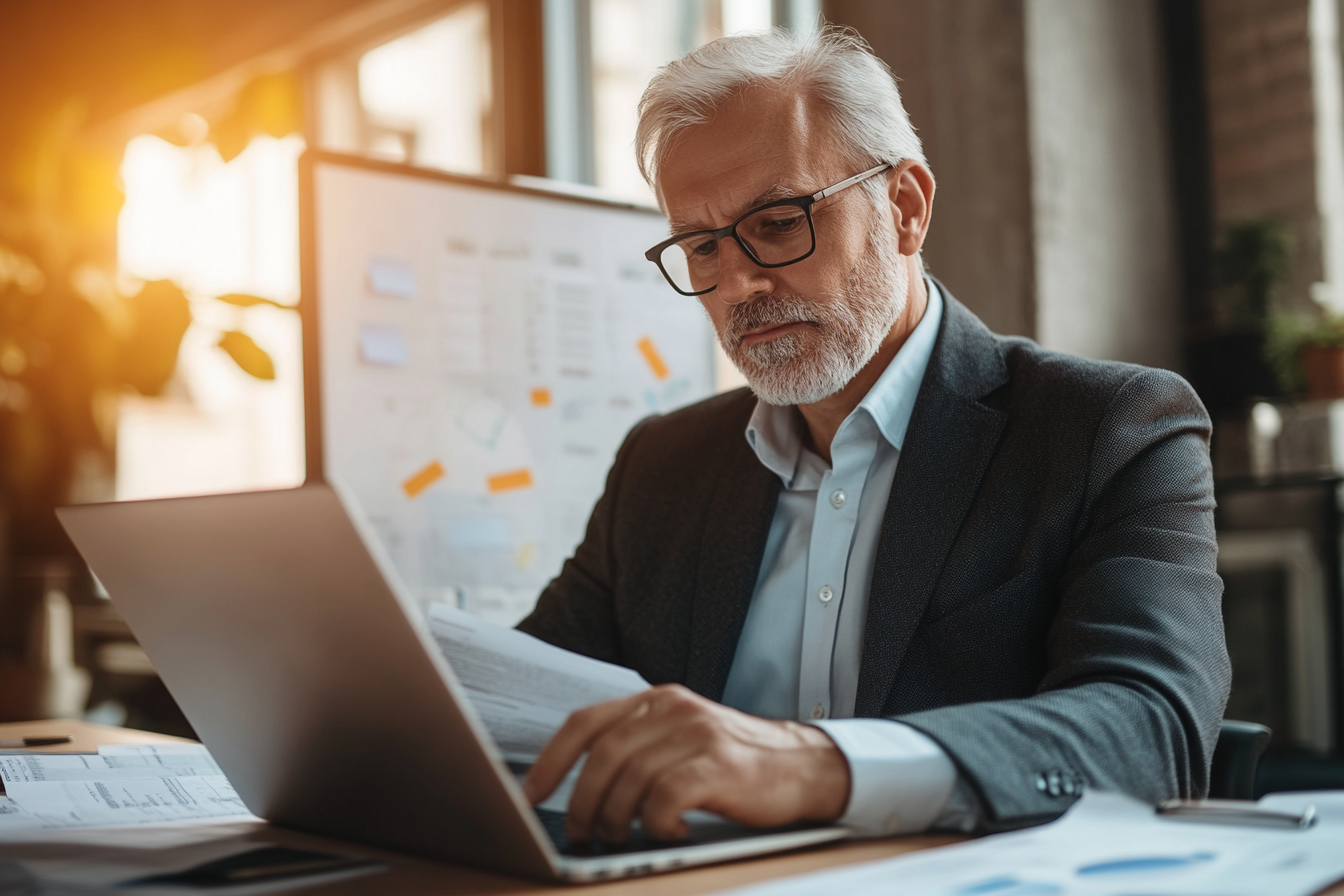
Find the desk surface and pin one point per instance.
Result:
(411, 876)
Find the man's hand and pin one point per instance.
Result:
(667, 750)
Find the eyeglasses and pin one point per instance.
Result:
(773, 235)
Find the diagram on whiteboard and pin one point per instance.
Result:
(483, 353)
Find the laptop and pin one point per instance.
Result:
(284, 634)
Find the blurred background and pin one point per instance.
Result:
(1155, 181)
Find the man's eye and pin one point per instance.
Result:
(703, 249)
(784, 224)
(776, 223)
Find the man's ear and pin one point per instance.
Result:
(910, 188)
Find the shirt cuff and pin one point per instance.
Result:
(901, 781)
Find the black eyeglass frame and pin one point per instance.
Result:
(803, 202)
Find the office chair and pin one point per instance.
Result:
(1236, 757)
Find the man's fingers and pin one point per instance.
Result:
(627, 786)
(682, 787)
(634, 738)
(571, 742)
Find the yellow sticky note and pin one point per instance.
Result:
(654, 359)
(541, 398)
(430, 474)
(507, 482)
(526, 554)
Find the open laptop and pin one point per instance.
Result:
(285, 636)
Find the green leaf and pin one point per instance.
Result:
(251, 357)
(243, 300)
(158, 318)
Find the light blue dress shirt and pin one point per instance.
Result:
(799, 653)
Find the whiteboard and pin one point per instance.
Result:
(474, 355)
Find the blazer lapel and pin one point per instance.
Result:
(947, 451)
(736, 528)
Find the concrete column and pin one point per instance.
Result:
(963, 80)
(1108, 281)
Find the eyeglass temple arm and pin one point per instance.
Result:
(850, 181)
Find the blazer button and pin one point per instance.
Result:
(1041, 784)
(1054, 785)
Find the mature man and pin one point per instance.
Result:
(981, 574)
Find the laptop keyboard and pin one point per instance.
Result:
(638, 841)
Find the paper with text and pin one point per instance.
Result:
(161, 757)
(121, 801)
(119, 785)
(523, 688)
(111, 763)
(1108, 845)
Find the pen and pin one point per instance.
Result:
(38, 741)
(1236, 812)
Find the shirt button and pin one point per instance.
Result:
(825, 594)
(818, 712)
(838, 498)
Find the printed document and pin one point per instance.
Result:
(523, 688)
(120, 785)
(120, 761)
(1108, 845)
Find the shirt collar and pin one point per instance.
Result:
(775, 433)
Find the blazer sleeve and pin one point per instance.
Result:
(576, 611)
(1137, 668)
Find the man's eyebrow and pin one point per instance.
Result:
(778, 191)
(772, 193)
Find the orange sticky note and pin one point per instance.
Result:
(507, 482)
(655, 360)
(541, 398)
(432, 473)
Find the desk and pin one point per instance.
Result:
(408, 876)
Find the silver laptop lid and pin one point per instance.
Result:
(313, 683)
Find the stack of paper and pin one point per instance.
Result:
(523, 688)
(120, 785)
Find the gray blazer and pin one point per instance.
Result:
(1044, 603)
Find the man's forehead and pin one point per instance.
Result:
(763, 145)
(777, 190)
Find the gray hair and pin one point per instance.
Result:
(834, 65)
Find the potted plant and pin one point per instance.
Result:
(1306, 353)
(1227, 359)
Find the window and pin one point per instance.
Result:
(423, 98)
(215, 228)
(631, 39)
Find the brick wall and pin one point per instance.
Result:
(1262, 124)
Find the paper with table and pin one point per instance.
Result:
(132, 784)
(523, 688)
(1108, 845)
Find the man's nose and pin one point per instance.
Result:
(740, 278)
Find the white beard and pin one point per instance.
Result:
(843, 332)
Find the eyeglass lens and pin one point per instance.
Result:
(773, 236)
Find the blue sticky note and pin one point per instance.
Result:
(383, 345)
(479, 532)
(392, 277)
